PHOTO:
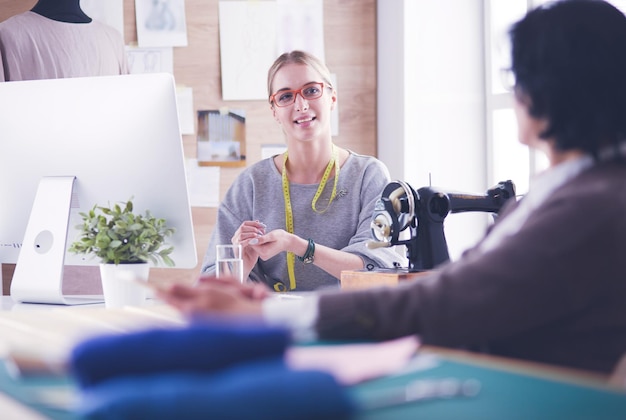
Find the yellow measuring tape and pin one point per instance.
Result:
(333, 161)
(291, 258)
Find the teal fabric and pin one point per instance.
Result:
(24, 390)
(502, 395)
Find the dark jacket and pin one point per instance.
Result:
(555, 292)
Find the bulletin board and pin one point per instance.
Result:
(350, 52)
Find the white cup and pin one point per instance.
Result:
(229, 262)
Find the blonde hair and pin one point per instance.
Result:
(297, 57)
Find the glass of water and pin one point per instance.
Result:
(229, 262)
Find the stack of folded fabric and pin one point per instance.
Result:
(204, 371)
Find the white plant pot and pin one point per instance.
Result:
(120, 284)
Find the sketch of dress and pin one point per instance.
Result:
(161, 17)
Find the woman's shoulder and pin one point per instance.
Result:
(262, 167)
(363, 161)
(365, 164)
(250, 179)
(601, 180)
(599, 193)
(259, 172)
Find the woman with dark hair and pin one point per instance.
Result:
(548, 281)
(573, 78)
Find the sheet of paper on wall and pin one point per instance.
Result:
(203, 184)
(300, 26)
(247, 47)
(110, 12)
(161, 23)
(150, 60)
(184, 102)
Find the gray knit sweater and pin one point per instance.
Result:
(257, 194)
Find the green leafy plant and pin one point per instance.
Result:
(119, 236)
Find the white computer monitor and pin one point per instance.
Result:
(117, 138)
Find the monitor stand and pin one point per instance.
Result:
(38, 276)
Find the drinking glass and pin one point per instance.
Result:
(229, 262)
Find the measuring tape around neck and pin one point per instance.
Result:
(333, 161)
(291, 258)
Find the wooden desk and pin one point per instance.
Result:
(364, 279)
(53, 329)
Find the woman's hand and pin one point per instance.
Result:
(333, 261)
(213, 295)
(277, 241)
(248, 231)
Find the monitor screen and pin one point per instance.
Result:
(117, 136)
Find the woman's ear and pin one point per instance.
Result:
(273, 108)
(333, 99)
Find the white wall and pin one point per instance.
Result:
(390, 85)
(431, 101)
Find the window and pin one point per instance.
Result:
(506, 157)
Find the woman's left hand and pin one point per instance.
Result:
(273, 243)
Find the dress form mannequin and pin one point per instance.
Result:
(61, 10)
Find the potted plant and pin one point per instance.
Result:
(125, 243)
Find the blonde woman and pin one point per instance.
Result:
(303, 216)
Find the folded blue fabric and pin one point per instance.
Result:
(259, 390)
(197, 348)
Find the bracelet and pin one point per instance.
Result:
(309, 255)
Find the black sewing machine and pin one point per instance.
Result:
(422, 212)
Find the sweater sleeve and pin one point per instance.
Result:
(375, 178)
